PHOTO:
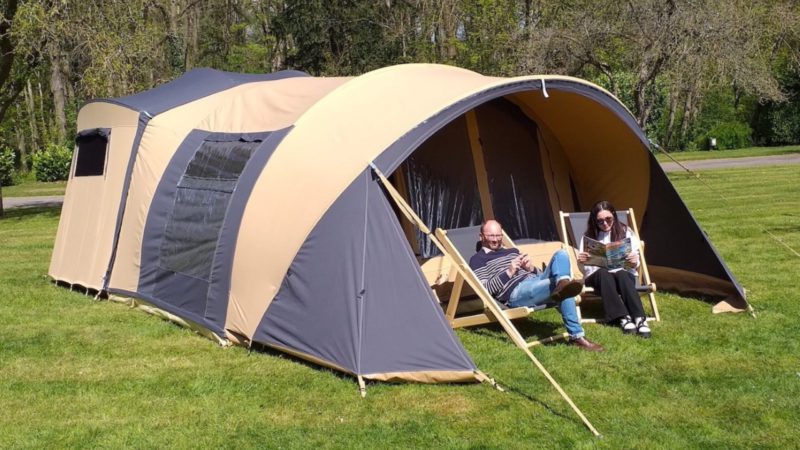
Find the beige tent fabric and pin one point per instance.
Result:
(340, 135)
(330, 145)
(86, 229)
(599, 148)
(252, 107)
(431, 376)
(434, 376)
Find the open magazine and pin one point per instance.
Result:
(610, 256)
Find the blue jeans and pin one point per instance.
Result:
(535, 290)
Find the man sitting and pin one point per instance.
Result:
(512, 279)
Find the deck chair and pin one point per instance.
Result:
(479, 308)
(573, 227)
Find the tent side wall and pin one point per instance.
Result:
(680, 255)
(86, 230)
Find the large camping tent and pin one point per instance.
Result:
(249, 206)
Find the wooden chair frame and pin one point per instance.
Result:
(645, 286)
(464, 273)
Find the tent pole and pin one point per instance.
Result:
(561, 391)
(480, 166)
(509, 328)
(502, 319)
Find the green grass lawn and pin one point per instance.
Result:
(737, 153)
(27, 186)
(79, 373)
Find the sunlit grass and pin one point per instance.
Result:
(79, 373)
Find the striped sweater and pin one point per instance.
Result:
(490, 268)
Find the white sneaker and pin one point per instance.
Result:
(627, 325)
(641, 327)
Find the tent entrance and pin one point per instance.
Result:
(485, 164)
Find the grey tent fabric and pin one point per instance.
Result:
(217, 303)
(667, 215)
(192, 85)
(352, 281)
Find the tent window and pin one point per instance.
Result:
(441, 182)
(92, 148)
(201, 202)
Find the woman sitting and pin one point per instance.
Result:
(617, 287)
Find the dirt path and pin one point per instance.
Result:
(710, 164)
(28, 202)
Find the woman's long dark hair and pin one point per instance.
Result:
(617, 229)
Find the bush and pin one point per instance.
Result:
(729, 135)
(6, 166)
(52, 163)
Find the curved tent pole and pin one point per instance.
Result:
(509, 328)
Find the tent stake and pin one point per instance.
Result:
(483, 378)
(362, 387)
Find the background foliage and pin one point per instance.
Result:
(688, 70)
(52, 163)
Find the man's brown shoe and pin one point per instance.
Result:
(586, 344)
(566, 289)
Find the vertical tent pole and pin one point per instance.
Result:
(480, 166)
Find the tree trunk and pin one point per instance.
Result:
(672, 106)
(192, 19)
(23, 150)
(35, 139)
(45, 125)
(687, 115)
(57, 89)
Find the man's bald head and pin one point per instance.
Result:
(491, 235)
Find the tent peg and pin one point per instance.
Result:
(483, 378)
(362, 387)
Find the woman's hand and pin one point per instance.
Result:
(583, 257)
(633, 259)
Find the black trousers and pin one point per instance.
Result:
(618, 291)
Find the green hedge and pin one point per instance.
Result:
(52, 163)
(6, 166)
(729, 135)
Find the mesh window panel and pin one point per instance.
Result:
(442, 186)
(91, 160)
(204, 191)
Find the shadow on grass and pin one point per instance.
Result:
(45, 211)
(266, 350)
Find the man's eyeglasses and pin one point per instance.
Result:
(493, 236)
(606, 220)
